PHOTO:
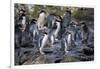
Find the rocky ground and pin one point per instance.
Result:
(31, 55)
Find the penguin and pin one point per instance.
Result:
(41, 19)
(58, 29)
(44, 43)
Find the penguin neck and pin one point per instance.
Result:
(45, 35)
(53, 23)
(23, 20)
(69, 37)
(58, 28)
(42, 15)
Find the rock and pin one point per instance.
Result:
(88, 51)
(48, 50)
(69, 59)
(39, 60)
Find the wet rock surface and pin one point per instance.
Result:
(28, 56)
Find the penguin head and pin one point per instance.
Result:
(82, 23)
(68, 11)
(33, 21)
(42, 11)
(22, 12)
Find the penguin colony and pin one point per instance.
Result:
(50, 33)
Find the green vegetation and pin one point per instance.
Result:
(84, 14)
(32, 11)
